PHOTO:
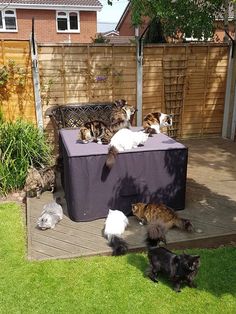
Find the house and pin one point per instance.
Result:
(125, 28)
(56, 21)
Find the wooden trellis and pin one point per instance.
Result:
(174, 74)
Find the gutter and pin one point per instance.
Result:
(52, 7)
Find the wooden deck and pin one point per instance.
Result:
(210, 204)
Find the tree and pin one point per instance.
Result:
(190, 17)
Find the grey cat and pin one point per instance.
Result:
(52, 213)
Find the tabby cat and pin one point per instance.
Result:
(155, 121)
(101, 132)
(147, 213)
(95, 131)
(121, 115)
(40, 180)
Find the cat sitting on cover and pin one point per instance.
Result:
(115, 225)
(121, 115)
(52, 213)
(40, 180)
(101, 132)
(155, 121)
(181, 268)
(95, 131)
(147, 213)
(123, 140)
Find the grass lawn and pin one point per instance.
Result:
(104, 284)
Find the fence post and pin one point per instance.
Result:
(36, 80)
(139, 58)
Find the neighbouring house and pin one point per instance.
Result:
(114, 38)
(125, 27)
(55, 21)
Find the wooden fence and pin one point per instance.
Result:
(188, 80)
(16, 87)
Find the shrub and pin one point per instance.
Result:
(21, 145)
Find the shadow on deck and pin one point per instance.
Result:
(210, 204)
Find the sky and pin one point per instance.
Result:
(110, 15)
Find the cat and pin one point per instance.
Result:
(123, 140)
(115, 224)
(40, 180)
(179, 268)
(101, 132)
(155, 121)
(52, 213)
(160, 212)
(156, 231)
(121, 115)
(95, 131)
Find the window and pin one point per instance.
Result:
(68, 22)
(8, 21)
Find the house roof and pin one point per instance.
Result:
(121, 39)
(123, 16)
(55, 4)
(111, 33)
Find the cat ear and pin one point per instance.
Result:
(176, 259)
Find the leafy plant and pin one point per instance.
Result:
(21, 145)
(191, 17)
(12, 80)
(46, 88)
(100, 39)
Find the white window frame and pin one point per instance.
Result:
(4, 23)
(67, 16)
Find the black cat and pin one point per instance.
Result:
(179, 268)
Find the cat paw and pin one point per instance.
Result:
(192, 285)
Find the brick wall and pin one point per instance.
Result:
(45, 27)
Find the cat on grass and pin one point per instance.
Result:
(115, 225)
(123, 140)
(179, 269)
(155, 121)
(159, 212)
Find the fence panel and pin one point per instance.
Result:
(188, 80)
(16, 86)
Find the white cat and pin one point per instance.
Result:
(52, 213)
(115, 225)
(123, 140)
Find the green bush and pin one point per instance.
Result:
(21, 145)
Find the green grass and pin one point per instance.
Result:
(104, 284)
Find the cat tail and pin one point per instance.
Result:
(118, 245)
(184, 224)
(155, 234)
(111, 157)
